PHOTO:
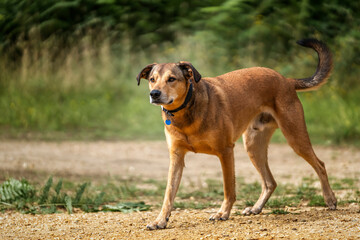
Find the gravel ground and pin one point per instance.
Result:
(99, 160)
(185, 224)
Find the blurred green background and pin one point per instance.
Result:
(68, 68)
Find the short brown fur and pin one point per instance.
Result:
(251, 102)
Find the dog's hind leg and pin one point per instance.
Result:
(292, 123)
(256, 140)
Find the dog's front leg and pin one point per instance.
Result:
(174, 177)
(228, 169)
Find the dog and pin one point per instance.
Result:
(208, 115)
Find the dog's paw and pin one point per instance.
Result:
(220, 216)
(157, 225)
(250, 210)
(331, 202)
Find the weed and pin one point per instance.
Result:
(305, 193)
(124, 195)
(282, 201)
(341, 184)
(45, 193)
(13, 190)
(248, 192)
(68, 204)
(249, 203)
(279, 212)
(26, 198)
(126, 207)
(238, 213)
(317, 200)
(212, 191)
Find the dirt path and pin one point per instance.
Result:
(150, 160)
(96, 160)
(184, 224)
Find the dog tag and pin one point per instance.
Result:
(167, 121)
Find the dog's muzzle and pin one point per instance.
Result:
(156, 97)
(155, 94)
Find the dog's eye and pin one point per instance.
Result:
(171, 79)
(152, 79)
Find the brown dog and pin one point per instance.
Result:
(208, 115)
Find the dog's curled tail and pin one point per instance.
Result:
(324, 67)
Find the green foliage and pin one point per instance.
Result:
(212, 191)
(345, 183)
(58, 187)
(68, 204)
(12, 190)
(248, 192)
(279, 212)
(283, 201)
(79, 193)
(68, 67)
(306, 190)
(113, 196)
(126, 207)
(317, 200)
(22, 196)
(145, 22)
(304, 194)
(45, 193)
(331, 115)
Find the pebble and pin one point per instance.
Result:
(313, 226)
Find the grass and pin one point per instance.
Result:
(279, 212)
(90, 92)
(139, 195)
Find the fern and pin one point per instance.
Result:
(14, 190)
(58, 187)
(20, 195)
(127, 207)
(45, 193)
(99, 200)
(68, 204)
(79, 193)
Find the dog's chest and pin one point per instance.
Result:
(195, 138)
(200, 144)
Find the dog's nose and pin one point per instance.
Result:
(155, 94)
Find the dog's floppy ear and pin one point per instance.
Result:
(145, 72)
(189, 70)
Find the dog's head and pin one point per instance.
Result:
(169, 82)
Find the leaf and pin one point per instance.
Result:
(126, 207)
(79, 193)
(13, 190)
(68, 204)
(279, 212)
(99, 200)
(58, 187)
(45, 193)
(103, 2)
(60, 6)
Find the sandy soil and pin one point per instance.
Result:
(100, 160)
(150, 160)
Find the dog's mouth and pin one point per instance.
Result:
(160, 102)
